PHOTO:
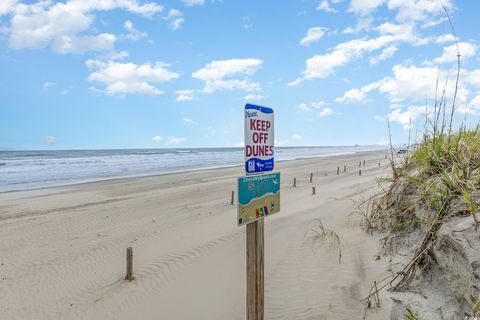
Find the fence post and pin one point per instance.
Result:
(313, 190)
(311, 177)
(294, 182)
(233, 197)
(344, 168)
(129, 275)
(359, 172)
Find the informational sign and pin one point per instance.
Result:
(258, 197)
(259, 146)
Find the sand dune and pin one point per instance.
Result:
(62, 250)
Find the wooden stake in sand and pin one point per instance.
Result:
(311, 177)
(360, 164)
(313, 190)
(364, 163)
(233, 197)
(294, 182)
(255, 270)
(344, 168)
(129, 275)
(338, 171)
(359, 173)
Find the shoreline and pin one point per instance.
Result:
(206, 169)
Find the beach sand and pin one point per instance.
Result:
(62, 250)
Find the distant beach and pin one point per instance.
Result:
(24, 170)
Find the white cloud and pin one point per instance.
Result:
(364, 7)
(123, 78)
(68, 44)
(355, 95)
(325, 6)
(174, 141)
(185, 95)
(445, 38)
(7, 6)
(252, 97)
(62, 25)
(323, 66)
(297, 137)
(64, 92)
(218, 75)
(325, 112)
(49, 140)
(118, 55)
(133, 33)
(406, 118)
(176, 18)
(313, 35)
(418, 10)
(188, 121)
(466, 49)
(387, 53)
(47, 85)
(157, 138)
(304, 107)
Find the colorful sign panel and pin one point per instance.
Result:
(258, 197)
(258, 139)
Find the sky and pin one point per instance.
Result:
(85, 74)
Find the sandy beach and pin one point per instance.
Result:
(62, 250)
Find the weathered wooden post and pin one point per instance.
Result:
(233, 197)
(311, 177)
(338, 171)
(344, 168)
(313, 190)
(364, 163)
(360, 164)
(379, 164)
(255, 270)
(294, 182)
(359, 172)
(129, 275)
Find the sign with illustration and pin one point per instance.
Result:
(259, 139)
(258, 197)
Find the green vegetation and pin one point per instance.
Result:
(411, 315)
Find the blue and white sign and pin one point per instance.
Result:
(259, 139)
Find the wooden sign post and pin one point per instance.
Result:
(257, 200)
(255, 270)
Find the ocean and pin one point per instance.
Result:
(25, 170)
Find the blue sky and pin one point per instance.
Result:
(150, 74)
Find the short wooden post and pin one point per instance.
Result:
(255, 270)
(338, 171)
(379, 164)
(233, 197)
(360, 164)
(364, 163)
(344, 168)
(129, 275)
(294, 182)
(359, 172)
(313, 190)
(311, 177)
